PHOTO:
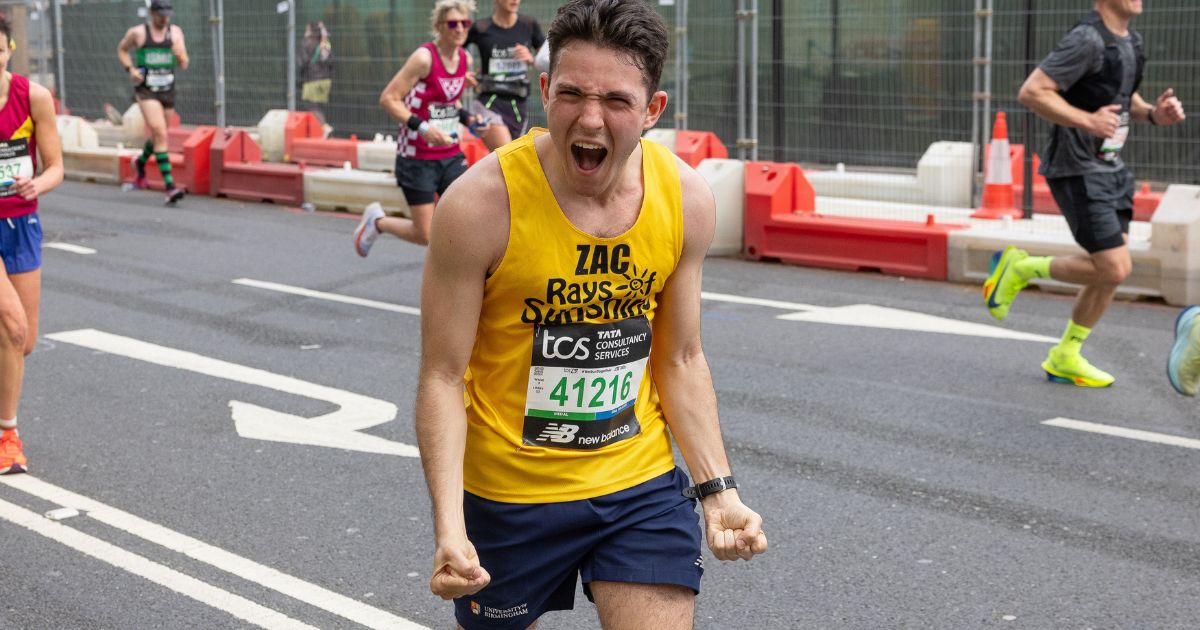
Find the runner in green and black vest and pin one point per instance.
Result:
(507, 42)
(158, 49)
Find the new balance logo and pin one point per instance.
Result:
(560, 433)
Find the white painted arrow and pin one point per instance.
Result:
(339, 429)
(871, 316)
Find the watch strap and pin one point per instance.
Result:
(712, 486)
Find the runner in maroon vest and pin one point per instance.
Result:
(27, 128)
(424, 97)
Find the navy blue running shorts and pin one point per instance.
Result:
(423, 180)
(1097, 207)
(647, 534)
(21, 243)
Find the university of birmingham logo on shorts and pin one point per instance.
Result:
(452, 87)
(475, 610)
(558, 433)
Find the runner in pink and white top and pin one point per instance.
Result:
(435, 100)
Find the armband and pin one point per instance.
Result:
(464, 117)
(414, 123)
(1150, 116)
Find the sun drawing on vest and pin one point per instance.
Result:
(638, 282)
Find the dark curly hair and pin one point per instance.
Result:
(629, 27)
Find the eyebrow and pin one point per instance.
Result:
(611, 94)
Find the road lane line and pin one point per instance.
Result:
(68, 247)
(187, 585)
(234, 564)
(1133, 434)
(737, 299)
(332, 297)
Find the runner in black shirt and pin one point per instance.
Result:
(506, 42)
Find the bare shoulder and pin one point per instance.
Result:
(38, 93)
(699, 206)
(176, 31)
(473, 213)
(133, 36)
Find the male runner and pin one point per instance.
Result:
(27, 130)
(1183, 364)
(1087, 87)
(159, 47)
(563, 281)
(424, 97)
(506, 42)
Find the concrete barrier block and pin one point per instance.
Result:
(270, 134)
(379, 155)
(665, 137)
(727, 179)
(76, 133)
(944, 174)
(99, 164)
(351, 190)
(1176, 241)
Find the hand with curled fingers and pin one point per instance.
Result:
(1103, 122)
(1168, 110)
(456, 570)
(733, 530)
(26, 187)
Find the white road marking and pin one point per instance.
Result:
(338, 429)
(202, 592)
(737, 299)
(332, 297)
(871, 316)
(1133, 434)
(863, 315)
(67, 247)
(244, 568)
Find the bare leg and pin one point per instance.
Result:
(496, 136)
(414, 230)
(625, 606)
(156, 120)
(1100, 274)
(20, 295)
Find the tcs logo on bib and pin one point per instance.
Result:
(564, 347)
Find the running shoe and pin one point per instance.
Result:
(365, 235)
(139, 180)
(1183, 365)
(1003, 285)
(1071, 368)
(12, 460)
(175, 193)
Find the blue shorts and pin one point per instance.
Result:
(647, 534)
(21, 243)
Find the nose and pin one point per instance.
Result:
(592, 116)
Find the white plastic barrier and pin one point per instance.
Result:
(943, 178)
(270, 134)
(379, 155)
(1176, 243)
(727, 179)
(351, 190)
(76, 133)
(665, 137)
(97, 164)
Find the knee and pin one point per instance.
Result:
(1115, 274)
(14, 333)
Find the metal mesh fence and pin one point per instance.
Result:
(866, 82)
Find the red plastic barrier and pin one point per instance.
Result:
(781, 224)
(694, 146)
(325, 151)
(300, 125)
(473, 149)
(238, 172)
(190, 160)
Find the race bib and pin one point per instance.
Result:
(14, 162)
(159, 80)
(506, 66)
(444, 118)
(583, 384)
(1110, 150)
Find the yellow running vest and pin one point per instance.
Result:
(561, 404)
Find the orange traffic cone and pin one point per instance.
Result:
(997, 179)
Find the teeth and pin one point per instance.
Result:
(585, 145)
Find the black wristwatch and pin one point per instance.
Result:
(713, 486)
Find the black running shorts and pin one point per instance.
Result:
(1098, 207)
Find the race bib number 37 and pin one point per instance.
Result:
(15, 161)
(583, 384)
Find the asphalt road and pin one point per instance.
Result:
(907, 478)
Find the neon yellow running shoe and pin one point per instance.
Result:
(1072, 369)
(1003, 285)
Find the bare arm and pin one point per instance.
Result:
(456, 267)
(179, 47)
(684, 381)
(1040, 94)
(49, 146)
(127, 43)
(414, 69)
(1167, 110)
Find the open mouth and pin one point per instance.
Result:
(588, 157)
